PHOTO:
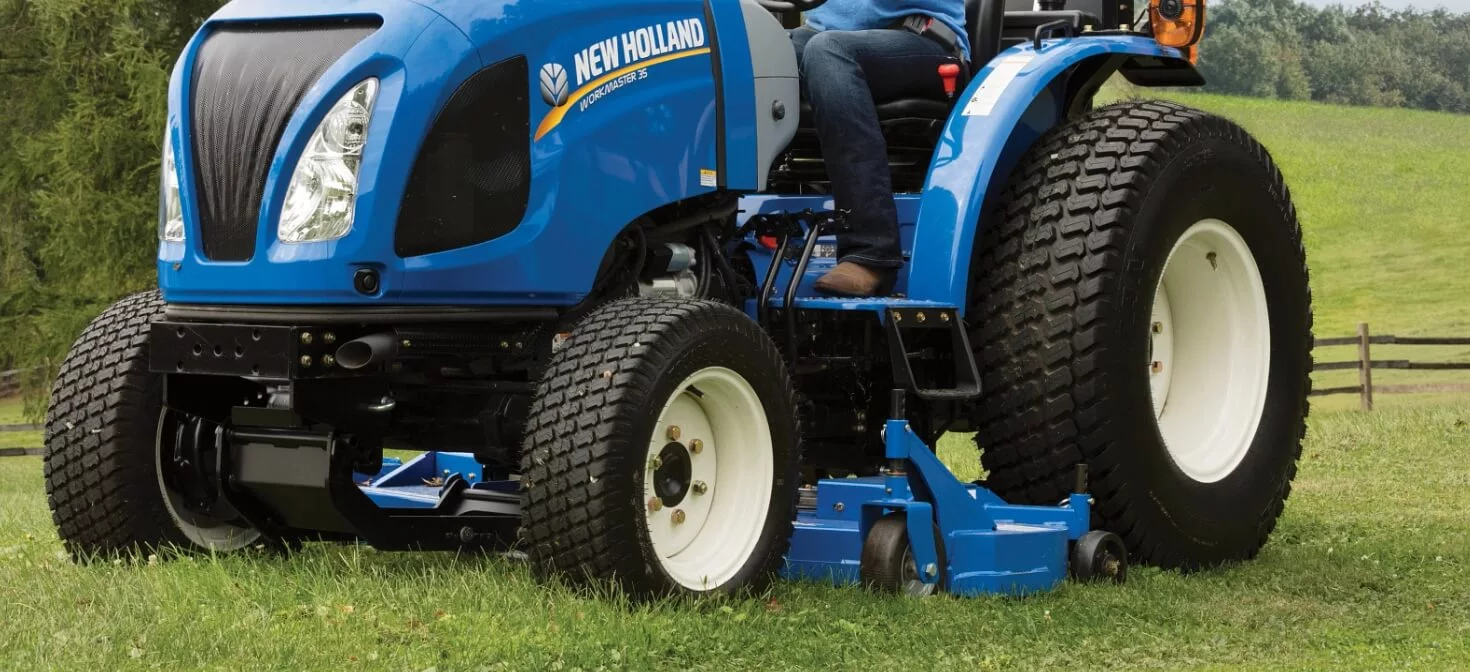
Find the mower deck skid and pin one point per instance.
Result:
(963, 538)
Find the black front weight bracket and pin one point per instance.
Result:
(294, 481)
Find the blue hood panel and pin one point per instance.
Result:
(629, 126)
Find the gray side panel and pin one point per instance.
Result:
(771, 53)
(777, 86)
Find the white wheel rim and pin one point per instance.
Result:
(1210, 351)
(721, 526)
(208, 535)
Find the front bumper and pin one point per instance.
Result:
(287, 343)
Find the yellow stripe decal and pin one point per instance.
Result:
(554, 117)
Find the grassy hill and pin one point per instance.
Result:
(1369, 568)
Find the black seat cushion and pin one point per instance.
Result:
(914, 108)
(892, 110)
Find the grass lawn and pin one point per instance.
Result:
(1370, 569)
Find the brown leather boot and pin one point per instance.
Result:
(857, 280)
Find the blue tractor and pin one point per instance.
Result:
(562, 252)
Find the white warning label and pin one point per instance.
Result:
(983, 102)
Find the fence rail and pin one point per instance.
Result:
(10, 384)
(1365, 364)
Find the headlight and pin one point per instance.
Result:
(323, 194)
(170, 212)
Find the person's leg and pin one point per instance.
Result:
(844, 72)
(799, 37)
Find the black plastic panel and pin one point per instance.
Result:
(472, 178)
(248, 80)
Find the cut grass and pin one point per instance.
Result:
(1367, 570)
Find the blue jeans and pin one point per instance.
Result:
(843, 73)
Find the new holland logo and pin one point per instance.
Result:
(554, 85)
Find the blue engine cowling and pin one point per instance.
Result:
(510, 143)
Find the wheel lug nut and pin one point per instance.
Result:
(673, 432)
(696, 446)
(306, 338)
(678, 516)
(329, 338)
(328, 360)
(1158, 327)
(655, 463)
(700, 488)
(1157, 367)
(305, 361)
(654, 504)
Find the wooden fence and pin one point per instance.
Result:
(10, 384)
(1365, 364)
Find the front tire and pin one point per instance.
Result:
(105, 432)
(1143, 303)
(661, 452)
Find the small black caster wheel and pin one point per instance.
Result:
(888, 559)
(1100, 556)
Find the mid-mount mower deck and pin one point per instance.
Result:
(566, 251)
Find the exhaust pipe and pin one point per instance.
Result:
(366, 351)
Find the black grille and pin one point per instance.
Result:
(472, 178)
(248, 80)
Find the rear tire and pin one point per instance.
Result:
(661, 452)
(103, 432)
(1067, 296)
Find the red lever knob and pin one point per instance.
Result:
(950, 73)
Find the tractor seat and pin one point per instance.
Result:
(898, 110)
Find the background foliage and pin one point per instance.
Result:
(84, 80)
(1370, 55)
(80, 136)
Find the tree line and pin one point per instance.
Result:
(1369, 55)
(81, 136)
(85, 81)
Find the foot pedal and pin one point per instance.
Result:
(966, 373)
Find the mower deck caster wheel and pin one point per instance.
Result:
(1100, 556)
(888, 559)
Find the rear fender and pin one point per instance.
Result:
(1010, 103)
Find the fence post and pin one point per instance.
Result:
(1365, 368)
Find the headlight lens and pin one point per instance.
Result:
(171, 214)
(323, 194)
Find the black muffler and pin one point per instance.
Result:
(368, 350)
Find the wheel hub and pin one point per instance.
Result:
(673, 477)
(709, 478)
(1209, 351)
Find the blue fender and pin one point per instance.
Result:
(1010, 103)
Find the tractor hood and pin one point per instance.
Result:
(477, 114)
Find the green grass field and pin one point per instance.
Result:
(1369, 569)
